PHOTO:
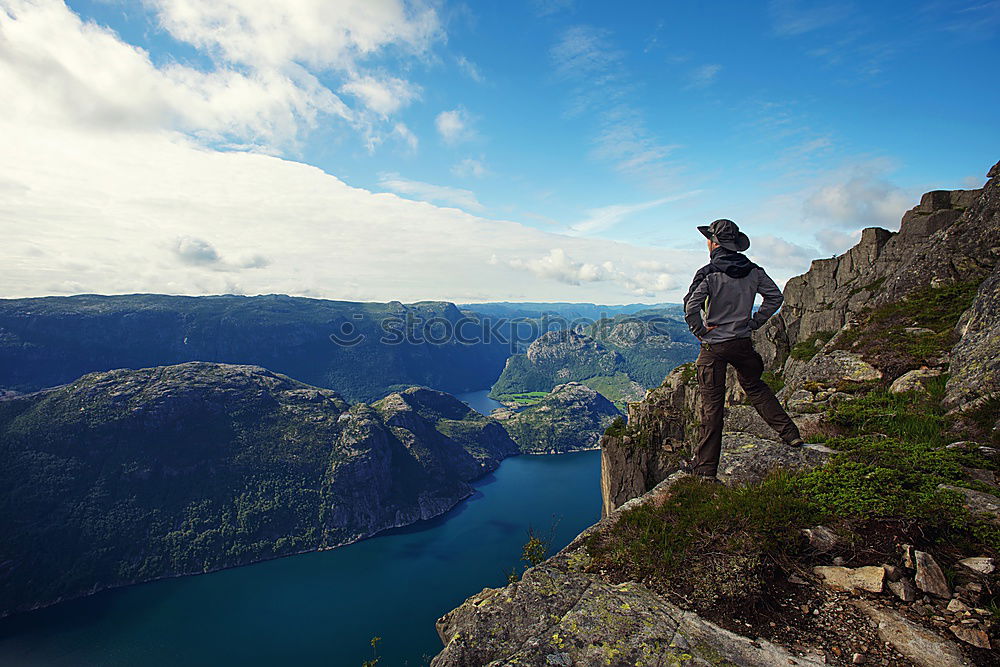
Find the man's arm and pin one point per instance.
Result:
(693, 304)
(772, 300)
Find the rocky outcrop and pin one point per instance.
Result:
(663, 427)
(949, 238)
(561, 614)
(922, 647)
(195, 467)
(975, 359)
(571, 418)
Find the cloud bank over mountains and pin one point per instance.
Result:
(114, 181)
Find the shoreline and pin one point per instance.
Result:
(17, 613)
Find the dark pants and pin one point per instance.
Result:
(711, 365)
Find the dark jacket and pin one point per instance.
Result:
(722, 294)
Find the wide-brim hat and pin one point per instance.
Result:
(727, 234)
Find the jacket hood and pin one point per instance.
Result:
(733, 264)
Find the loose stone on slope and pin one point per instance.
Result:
(930, 578)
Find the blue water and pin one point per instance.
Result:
(323, 608)
(480, 401)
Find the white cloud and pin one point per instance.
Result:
(317, 33)
(110, 184)
(470, 69)
(600, 219)
(585, 57)
(403, 133)
(454, 126)
(547, 7)
(791, 17)
(861, 199)
(440, 194)
(262, 91)
(703, 76)
(771, 251)
(470, 167)
(836, 241)
(98, 214)
(194, 251)
(190, 250)
(557, 265)
(384, 96)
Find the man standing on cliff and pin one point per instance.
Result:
(719, 310)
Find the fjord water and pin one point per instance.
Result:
(480, 401)
(323, 608)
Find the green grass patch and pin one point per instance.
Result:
(616, 388)
(688, 372)
(705, 543)
(806, 349)
(881, 337)
(616, 429)
(775, 382)
(524, 398)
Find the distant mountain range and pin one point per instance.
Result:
(54, 340)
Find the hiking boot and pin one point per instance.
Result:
(709, 479)
(687, 465)
(797, 442)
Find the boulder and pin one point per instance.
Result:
(921, 646)
(915, 380)
(980, 564)
(822, 539)
(956, 606)
(973, 636)
(836, 366)
(930, 578)
(903, 589)
(976, 501)
(748, 458)
(869, 578)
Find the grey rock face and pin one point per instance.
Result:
(904, 589)
(975, 359)
(949, 237)
(977, 501)
(838, 365)
(980, 564)
(747, 458)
